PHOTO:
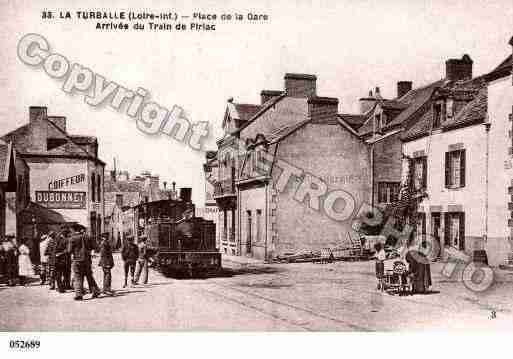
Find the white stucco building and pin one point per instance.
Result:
(461, 153)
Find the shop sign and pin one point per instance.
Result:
(61, 200)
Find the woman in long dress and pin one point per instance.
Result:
(24, 263)
(420, 270)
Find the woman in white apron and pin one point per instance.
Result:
(24, 264)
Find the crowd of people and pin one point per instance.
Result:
(66, 261)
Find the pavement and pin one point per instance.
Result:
(254, 296)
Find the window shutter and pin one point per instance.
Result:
(447, 229)
(462, 231)
(424, 172)
(411, 174)
(462, 168)
(447, 169)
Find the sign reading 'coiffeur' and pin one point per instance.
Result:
(61, 200)
(65, 182)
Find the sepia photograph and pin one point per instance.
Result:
(253, 167)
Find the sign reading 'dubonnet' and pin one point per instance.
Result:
(61, 200)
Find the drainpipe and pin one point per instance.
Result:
(372, 173)
(487, 160)
(266, 217)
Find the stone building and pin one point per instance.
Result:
(264, 217)
(66, 175)
(460, 151)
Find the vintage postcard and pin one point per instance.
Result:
(280, 166)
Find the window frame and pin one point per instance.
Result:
(423, 180)
(449, 240)
(449, 171)
(385, 191)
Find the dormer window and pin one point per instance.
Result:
(438, 115)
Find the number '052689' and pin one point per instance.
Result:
(24, 344)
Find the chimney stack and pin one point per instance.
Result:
(300, 85)
(266, 95)
(322, 107)
(459, 69)
(366, 103)
(37, 113)
(403, 87)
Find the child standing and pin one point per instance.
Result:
(24, 263)
(380, 263)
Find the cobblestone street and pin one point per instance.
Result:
(257, 296)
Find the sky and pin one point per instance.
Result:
(352, 47)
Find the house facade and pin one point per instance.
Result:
(263, 212)
(66, 175)
(460, 157)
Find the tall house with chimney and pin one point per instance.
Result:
(263, 212)
(66, 174)
(459, 157)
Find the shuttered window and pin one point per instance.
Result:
(420, 173)
(388, 192)
(93, 188)
(455, 230)
(455, 169)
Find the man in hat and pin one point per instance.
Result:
(129, 254)
(43, 257)
(106, 262)
(50, 252)
(60, 252)
(80, 247)
(142, 261)
(11, 259)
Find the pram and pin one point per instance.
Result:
(396, 279)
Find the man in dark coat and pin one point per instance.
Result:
(106, 262)
(50, 252)
(60, 253)
(80, 247)
(129, 254)
(11, 260)
(66, 261)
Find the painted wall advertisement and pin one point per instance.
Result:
(61, 200)
(60, 185)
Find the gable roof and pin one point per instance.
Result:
(472, 113)
(240, 112)
(414, 99)
(269, 104)
(504, 69)
(353, 120)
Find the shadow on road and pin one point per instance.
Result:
(120, 293)
(248, 269)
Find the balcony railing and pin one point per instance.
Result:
(224, 188)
